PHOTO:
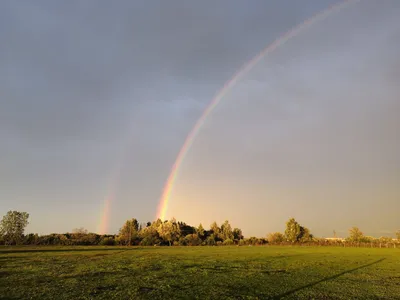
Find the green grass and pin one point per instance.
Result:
(199, 273)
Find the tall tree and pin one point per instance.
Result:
(355, 234)
(169, 231)
(398, 235)
(293, 230)
(215, 229)
(200, 231)
(149, 236)
(226, 231)
(129, 232)
(12, 227)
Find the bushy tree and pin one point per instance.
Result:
(210, 240)
(398, 235)
(149, 236)
(129, 232)
(296, 233)
(169, 231)
(305, 235)
(192, 240)
(107, 241)
(253, 241)
(237, 234)
(385, 240)
(226, 231)
(355, 234)
(275, 238)
(32, 239)
(215, 229)
(80, 236)
(12, 227)
(293, 230)
(200, 231)
(228, 242)
(79, 232)
(186, 229)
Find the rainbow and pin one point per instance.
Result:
(166, 195)
(103, 226)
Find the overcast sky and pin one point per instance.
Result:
(99, 96)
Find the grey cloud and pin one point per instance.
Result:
(83, 81)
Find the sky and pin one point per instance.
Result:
(97, 98)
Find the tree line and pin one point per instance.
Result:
(175, 233)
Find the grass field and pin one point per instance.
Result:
(199, 272)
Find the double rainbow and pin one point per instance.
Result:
(168, 187)
(166, 195)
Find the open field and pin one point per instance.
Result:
(199, 272)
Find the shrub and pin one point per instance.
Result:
(150, 240)
(228, 242)
(107, 241)
(275, 238)
(192, 240)
(210, 241)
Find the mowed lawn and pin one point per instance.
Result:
(264, 272)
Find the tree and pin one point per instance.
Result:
(226, 231)
(275, 238)
(78, 237)
(192, 240)
(169, 231)
(237, 234)
(200, 231)
(296, 233)
(215, 229)
(12, 227)
(355, 234)
(129, 232)
(79, 233)
(149, 236)
(32, 239)
(210, 240)
(293, 230)
(228, 242)
(107, 241)
(305, 235)
(385, 240)
(398, 235)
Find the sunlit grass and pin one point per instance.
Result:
(198, 272)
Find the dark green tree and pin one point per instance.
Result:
(12, 227)
(237, 234)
